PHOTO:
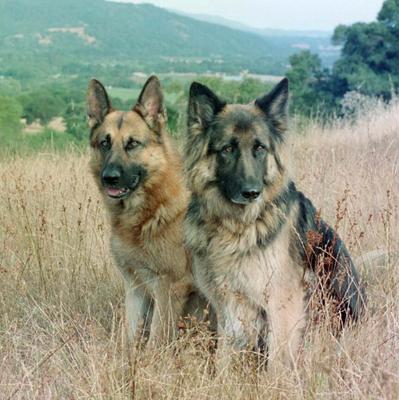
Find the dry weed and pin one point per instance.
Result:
(61, 313)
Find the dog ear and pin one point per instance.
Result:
(98, 104)
(203, 105)
(275, 105)
(150, 102)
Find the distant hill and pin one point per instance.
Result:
(59, 32)
(215, 19)
(316, 41)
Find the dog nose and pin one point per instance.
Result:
(111, 175)
(251, 193)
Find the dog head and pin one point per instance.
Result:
(234, 148)
(128, 146)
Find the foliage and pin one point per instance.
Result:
(75, 118)
(42, 105)
(9, 87)
(309, 83)
(10, 115)
(236, 91)
(67, 100)
(369, 64)
(370, 55)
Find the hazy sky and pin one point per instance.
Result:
(286, 14)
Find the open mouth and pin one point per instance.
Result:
(117, 193)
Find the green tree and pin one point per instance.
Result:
(309, 83)
(43, 105)
(10, 115)
(9, 87)
(369, 62)
(75, 119)
(249, 89)
(369, 65)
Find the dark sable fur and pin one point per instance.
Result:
(319, 246)
(283, 203)
(326, 254)
(252, 233)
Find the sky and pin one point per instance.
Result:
(280, 14)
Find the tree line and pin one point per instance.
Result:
(368, 65)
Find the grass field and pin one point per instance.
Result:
(61, 302)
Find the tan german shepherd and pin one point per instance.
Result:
(139, 175)
(253, 235)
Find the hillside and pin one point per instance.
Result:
(60, 32)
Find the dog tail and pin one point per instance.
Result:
(328, 257)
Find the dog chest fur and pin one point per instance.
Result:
(143, 264)
(236, 264)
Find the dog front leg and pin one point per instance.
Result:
(138, 312)
(239, 328)
(169, 302)
(286, 318)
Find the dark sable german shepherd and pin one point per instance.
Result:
(253, 235)
(139, 174)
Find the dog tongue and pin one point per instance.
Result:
(114, 192)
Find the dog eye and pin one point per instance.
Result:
(259, 148)
(105, 144)
(132, 144)
(227, 149)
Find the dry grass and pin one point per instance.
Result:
(61, 313)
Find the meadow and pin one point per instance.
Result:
(62, 330)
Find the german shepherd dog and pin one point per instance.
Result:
(252, 234)
(139, 174)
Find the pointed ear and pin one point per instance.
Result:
(275, 105)
(150, 102)
(203, 105)
(98, 104)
